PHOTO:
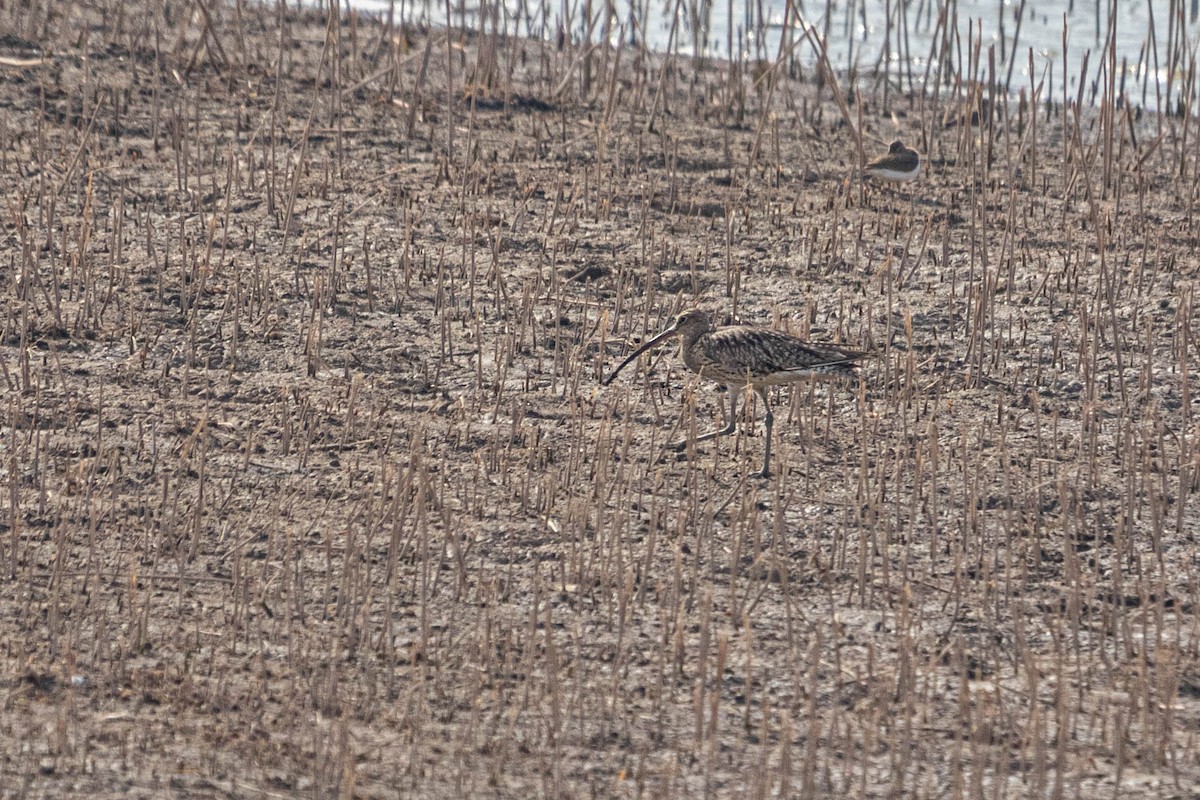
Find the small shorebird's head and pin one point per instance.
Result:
(687, 324)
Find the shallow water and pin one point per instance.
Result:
(1154, 43)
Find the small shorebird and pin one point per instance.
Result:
(898, 165)
(745, 355)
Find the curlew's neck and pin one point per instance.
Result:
(688, 338)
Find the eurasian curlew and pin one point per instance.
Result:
(745, 355)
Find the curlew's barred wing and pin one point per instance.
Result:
(759, 353)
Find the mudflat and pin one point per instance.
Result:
(309, 488)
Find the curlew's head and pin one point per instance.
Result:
(689, 324)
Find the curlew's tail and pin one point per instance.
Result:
(834, 362)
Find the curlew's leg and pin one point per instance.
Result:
(730, 423)
(768, 423)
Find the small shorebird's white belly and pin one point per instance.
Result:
(895, 175)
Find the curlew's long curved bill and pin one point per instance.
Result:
(633, 356)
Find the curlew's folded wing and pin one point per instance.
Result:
(759, 354)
